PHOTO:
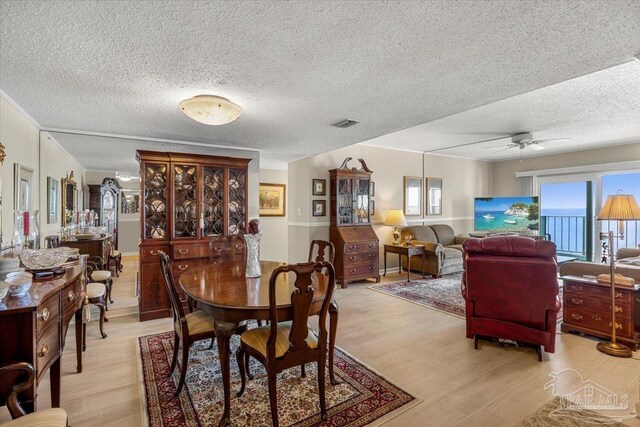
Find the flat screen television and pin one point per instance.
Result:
(504, 214)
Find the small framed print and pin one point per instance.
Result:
(319, 187)
(319, 208)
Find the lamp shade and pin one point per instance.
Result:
(619, 207)
(396, 218)
(211, 109)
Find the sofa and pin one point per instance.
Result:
(443, 248)
(510, 288)
(626, 259)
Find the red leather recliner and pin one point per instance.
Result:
(510, 287)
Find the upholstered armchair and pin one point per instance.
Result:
(624, 265)
(443, 248)
(510, 287)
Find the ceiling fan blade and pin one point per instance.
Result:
(535, 146)
(493, 146)
(538, 141)
(468, 143)
(506, 148)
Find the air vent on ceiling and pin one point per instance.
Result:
(345, 123)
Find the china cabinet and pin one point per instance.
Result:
(357, 247)
(187, 200)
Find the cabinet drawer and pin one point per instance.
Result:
(357, 258)
(360, 247)
(180, 267)
(622, 296)
(597, 321)
(368, 269)
(190, 250)
(47, 347)
(149, 254)
(48, 313)
(623, 309)
(71, 296)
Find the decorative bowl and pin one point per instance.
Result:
(18, 286)
(46, 259)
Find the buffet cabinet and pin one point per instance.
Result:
(356, 244)
(189, 201)
(33, 329)
(587, 308)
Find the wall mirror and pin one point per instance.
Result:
(23, 179)
(412, 195)
(434, 196)
(129, 201)
(69, 198)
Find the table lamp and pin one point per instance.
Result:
(619, 207)
(395, 218)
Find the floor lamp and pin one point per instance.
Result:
(620, 207)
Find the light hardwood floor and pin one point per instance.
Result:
(423, 351)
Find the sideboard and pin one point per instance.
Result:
(587, 308)
(96, 247)
(33, 329)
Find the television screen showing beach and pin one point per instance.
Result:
(506, 213)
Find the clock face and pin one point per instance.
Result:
(108, 201)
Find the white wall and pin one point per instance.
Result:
(462, 180)
(274, 229)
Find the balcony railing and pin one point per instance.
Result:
(571, 236)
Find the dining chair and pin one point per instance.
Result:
(52, 417)
(283, 345)
(187, 328)
(100, 275)
(115, 258)
(96, 293)
(325, 251)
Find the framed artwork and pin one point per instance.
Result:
(319, 187)
(412, 195)
(319, 208)
(23, 180)
(272, 199)
(372, 189)
(129, 201)
(52, 200)
(434, 196)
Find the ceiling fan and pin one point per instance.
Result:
(524, 140)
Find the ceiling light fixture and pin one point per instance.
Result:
(211, 109)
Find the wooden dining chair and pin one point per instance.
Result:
(283, 345)
(187, 328)
(100, 275)
(325, 251)
(114, 258)
(96, 293)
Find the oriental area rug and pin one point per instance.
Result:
(442, 294)
(362, 397)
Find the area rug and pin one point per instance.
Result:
(362, 397)
(560, 413)
(442, 294)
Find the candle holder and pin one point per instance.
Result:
(26, 230)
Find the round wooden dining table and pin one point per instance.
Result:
(223, 290)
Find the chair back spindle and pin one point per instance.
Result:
(324, 250)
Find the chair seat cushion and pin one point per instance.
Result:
(114, 254)
(54, 417)
(451, 253)
(457, 246)
(100, 275)
(199, 322)
(96, 290)
(257, 338)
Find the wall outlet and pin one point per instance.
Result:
(299, 211)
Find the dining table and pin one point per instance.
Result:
(224, 291)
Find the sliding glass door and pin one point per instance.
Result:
(624, 183)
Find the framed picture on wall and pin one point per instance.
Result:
(23, 179)
(319, 187)
(272, 199)
(412, 196)
(52, 200)
(319, 208)
(434, 196)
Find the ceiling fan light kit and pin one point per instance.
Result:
(211, 109)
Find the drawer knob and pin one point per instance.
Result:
(44, 350)
(370, 268)
(183, 267)
(353, 258)
(596, 317)
(618, 325)
(372, 256)
(371, 245)
(71, 295)
(576, 316)
(44, 314)
(154, 253)
(353, 271)
(618, 309)
(618, 294)
(576, 301)
(217, 249)
(183, 251)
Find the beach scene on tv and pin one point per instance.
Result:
(506, 214)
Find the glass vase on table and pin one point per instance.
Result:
(26, 230)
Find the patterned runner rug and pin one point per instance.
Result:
(362, 397)
(442, 294)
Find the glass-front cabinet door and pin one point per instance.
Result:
(185, 203)
(344, 201)
(361, 200)
(212, 201)
(237, 198)
(155, 201)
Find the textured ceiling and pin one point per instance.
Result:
(295, 67)
(601, 108)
